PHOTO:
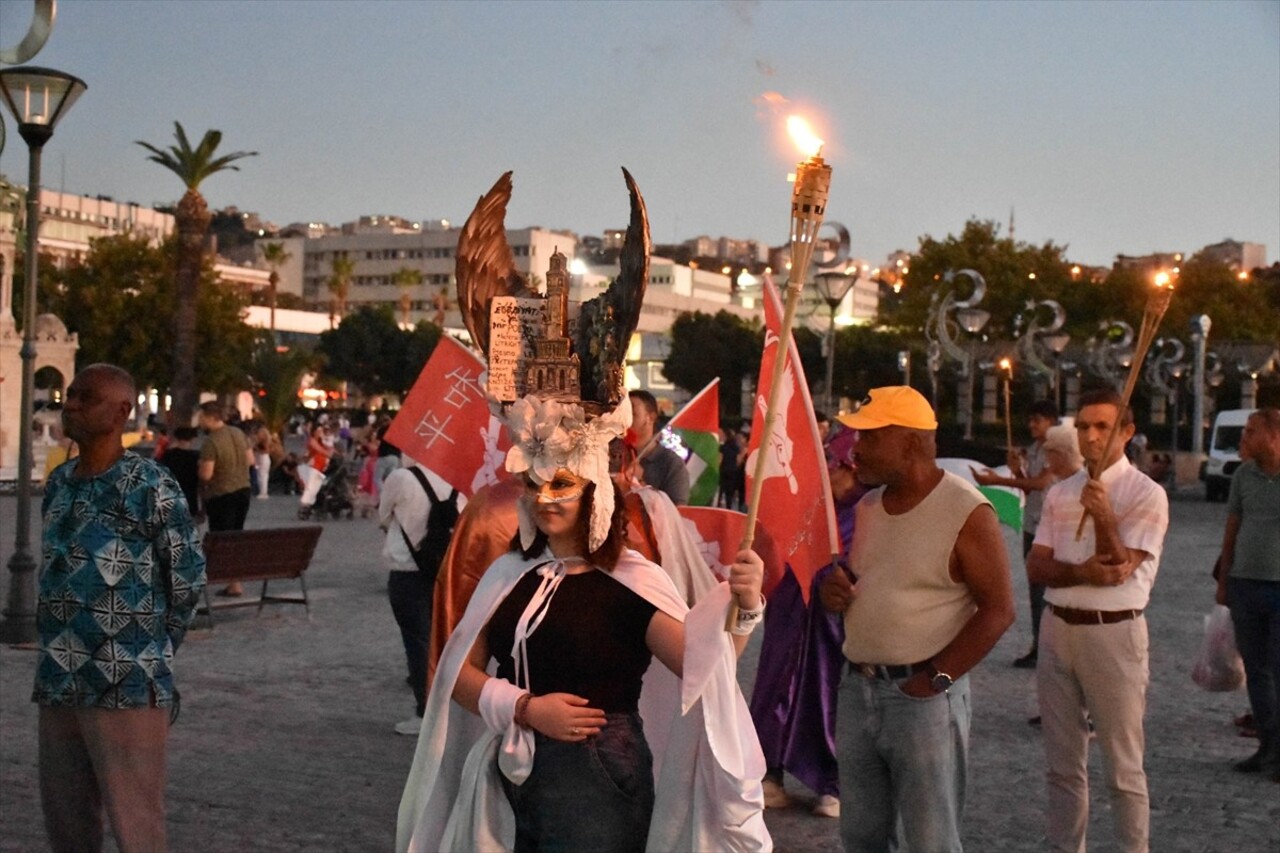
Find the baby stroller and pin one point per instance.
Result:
(336, 495)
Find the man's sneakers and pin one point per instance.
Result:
(775, 796)
(410, 726)
(1027, 661)
(1262, 761)
(827, 806)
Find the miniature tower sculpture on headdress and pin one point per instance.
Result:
(555, 381)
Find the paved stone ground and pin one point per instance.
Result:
(285, 739)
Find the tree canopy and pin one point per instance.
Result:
(193, 165)
(704, 346)
(369, 349)
(113, 300)
(1017, 273)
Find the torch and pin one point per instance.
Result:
(1157, 303)
(1006, 368)
(808, 206)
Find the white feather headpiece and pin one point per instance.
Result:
(547, 435)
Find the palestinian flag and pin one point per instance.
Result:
(698, 426)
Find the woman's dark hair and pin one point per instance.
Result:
(606, 556)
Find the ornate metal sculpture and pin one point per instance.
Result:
(1032, 347)
(1110, 351)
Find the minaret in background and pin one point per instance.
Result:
(1010, 223)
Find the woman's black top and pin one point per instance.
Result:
(591, 643)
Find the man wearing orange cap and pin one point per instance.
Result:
(928, 598)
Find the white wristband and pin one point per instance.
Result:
(498, 703)
(748, 620)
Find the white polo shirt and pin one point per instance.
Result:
(1142, 513)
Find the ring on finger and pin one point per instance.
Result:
(573, 731)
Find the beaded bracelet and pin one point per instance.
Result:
(521, 716)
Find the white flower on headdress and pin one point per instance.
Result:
(547, 435)
(541, 435)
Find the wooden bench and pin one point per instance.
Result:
(274, 553)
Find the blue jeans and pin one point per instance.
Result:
(1255, 612)
(903, 766)
(591, 796)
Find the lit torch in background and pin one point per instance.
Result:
(1006, 370)
(808, 206)
(1157, 303)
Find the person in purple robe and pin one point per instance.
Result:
(793, 703)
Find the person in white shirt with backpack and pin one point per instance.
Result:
(418, 510)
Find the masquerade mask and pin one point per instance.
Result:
(560, 489)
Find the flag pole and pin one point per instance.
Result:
(808, 207)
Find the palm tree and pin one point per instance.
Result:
(192, 217)
(278, 372)
(275, 256)
(407, 278)
(339, 286)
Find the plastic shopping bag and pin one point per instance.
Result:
(1218, 668)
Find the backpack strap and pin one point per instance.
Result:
(431, 494)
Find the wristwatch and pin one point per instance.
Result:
(940, 681)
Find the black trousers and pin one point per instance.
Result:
(228, 512)
(1035, 591)
(410, 594)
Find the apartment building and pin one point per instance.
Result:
(379, 247)
(1241, 257)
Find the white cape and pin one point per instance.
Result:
(707, 760)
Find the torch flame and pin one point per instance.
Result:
(1163, 279)
(1005, 364)
(803, 136)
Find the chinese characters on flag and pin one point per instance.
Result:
(445, 422)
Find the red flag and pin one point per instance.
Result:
(795, 502)
(445, 422)
(718, 534)
(698, 425)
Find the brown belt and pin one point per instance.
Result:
(887, 672)
(1093, 617)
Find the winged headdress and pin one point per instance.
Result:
(561, 431)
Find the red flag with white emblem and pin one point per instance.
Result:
(795, 500)
(445, 421)
(718, 532)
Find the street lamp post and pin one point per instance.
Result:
(971, 320)
(1056, 344)
(38, 98)
(1200, 325)
(833, 287)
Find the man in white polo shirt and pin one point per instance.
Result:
(1093, 646)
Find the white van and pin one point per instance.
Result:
(1224, 452)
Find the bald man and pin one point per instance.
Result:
(121, 573)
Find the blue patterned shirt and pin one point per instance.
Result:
(121, 574)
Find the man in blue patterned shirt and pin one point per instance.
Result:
(122, 571)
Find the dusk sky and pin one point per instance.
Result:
(1110, 127)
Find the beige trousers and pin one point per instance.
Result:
(96, 758)
(1101, 670)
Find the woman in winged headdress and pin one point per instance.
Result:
(581, 704)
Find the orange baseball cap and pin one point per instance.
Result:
(893, 405)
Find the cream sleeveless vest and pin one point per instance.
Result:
(908, 607)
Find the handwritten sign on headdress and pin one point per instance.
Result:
(514, 323)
